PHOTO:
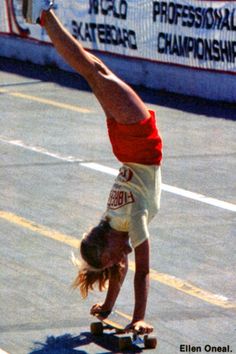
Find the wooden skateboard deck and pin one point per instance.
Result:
(117, 322)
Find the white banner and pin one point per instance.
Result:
(192, 33)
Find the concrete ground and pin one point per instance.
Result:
(54, 184)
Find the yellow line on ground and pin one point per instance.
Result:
(190, 289)
(169, 280)
(46, 101)
(40, 229)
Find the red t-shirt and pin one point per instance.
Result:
(138, 143)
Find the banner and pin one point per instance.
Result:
(192, 33)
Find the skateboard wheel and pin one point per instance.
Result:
(125, 343)
(96, 328)
(150, 342)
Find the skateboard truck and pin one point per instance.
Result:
(125, 342)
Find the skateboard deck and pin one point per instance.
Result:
(117, 322)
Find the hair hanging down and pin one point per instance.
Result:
(91, 272)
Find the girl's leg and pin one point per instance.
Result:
(118, 100)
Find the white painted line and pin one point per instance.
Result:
(199, 197)
(112, 171)
(174, 190)
(38, 149)
(100, 168)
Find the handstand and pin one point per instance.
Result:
(135, 196)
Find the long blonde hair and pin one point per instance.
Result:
(91, 272)
(87, 279)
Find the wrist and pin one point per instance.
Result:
(138, 314)
(137, 319)
(107, 306)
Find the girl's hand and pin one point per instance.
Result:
(100, 311)
(140, 327)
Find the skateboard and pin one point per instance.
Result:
(117, 323)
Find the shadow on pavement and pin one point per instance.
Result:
(68, 344)
(195, 105)
(64, 344)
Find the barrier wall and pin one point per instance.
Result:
(180, 46)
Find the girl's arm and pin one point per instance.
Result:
(112, 293)
(141, 288)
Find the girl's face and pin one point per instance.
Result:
(117, 249)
